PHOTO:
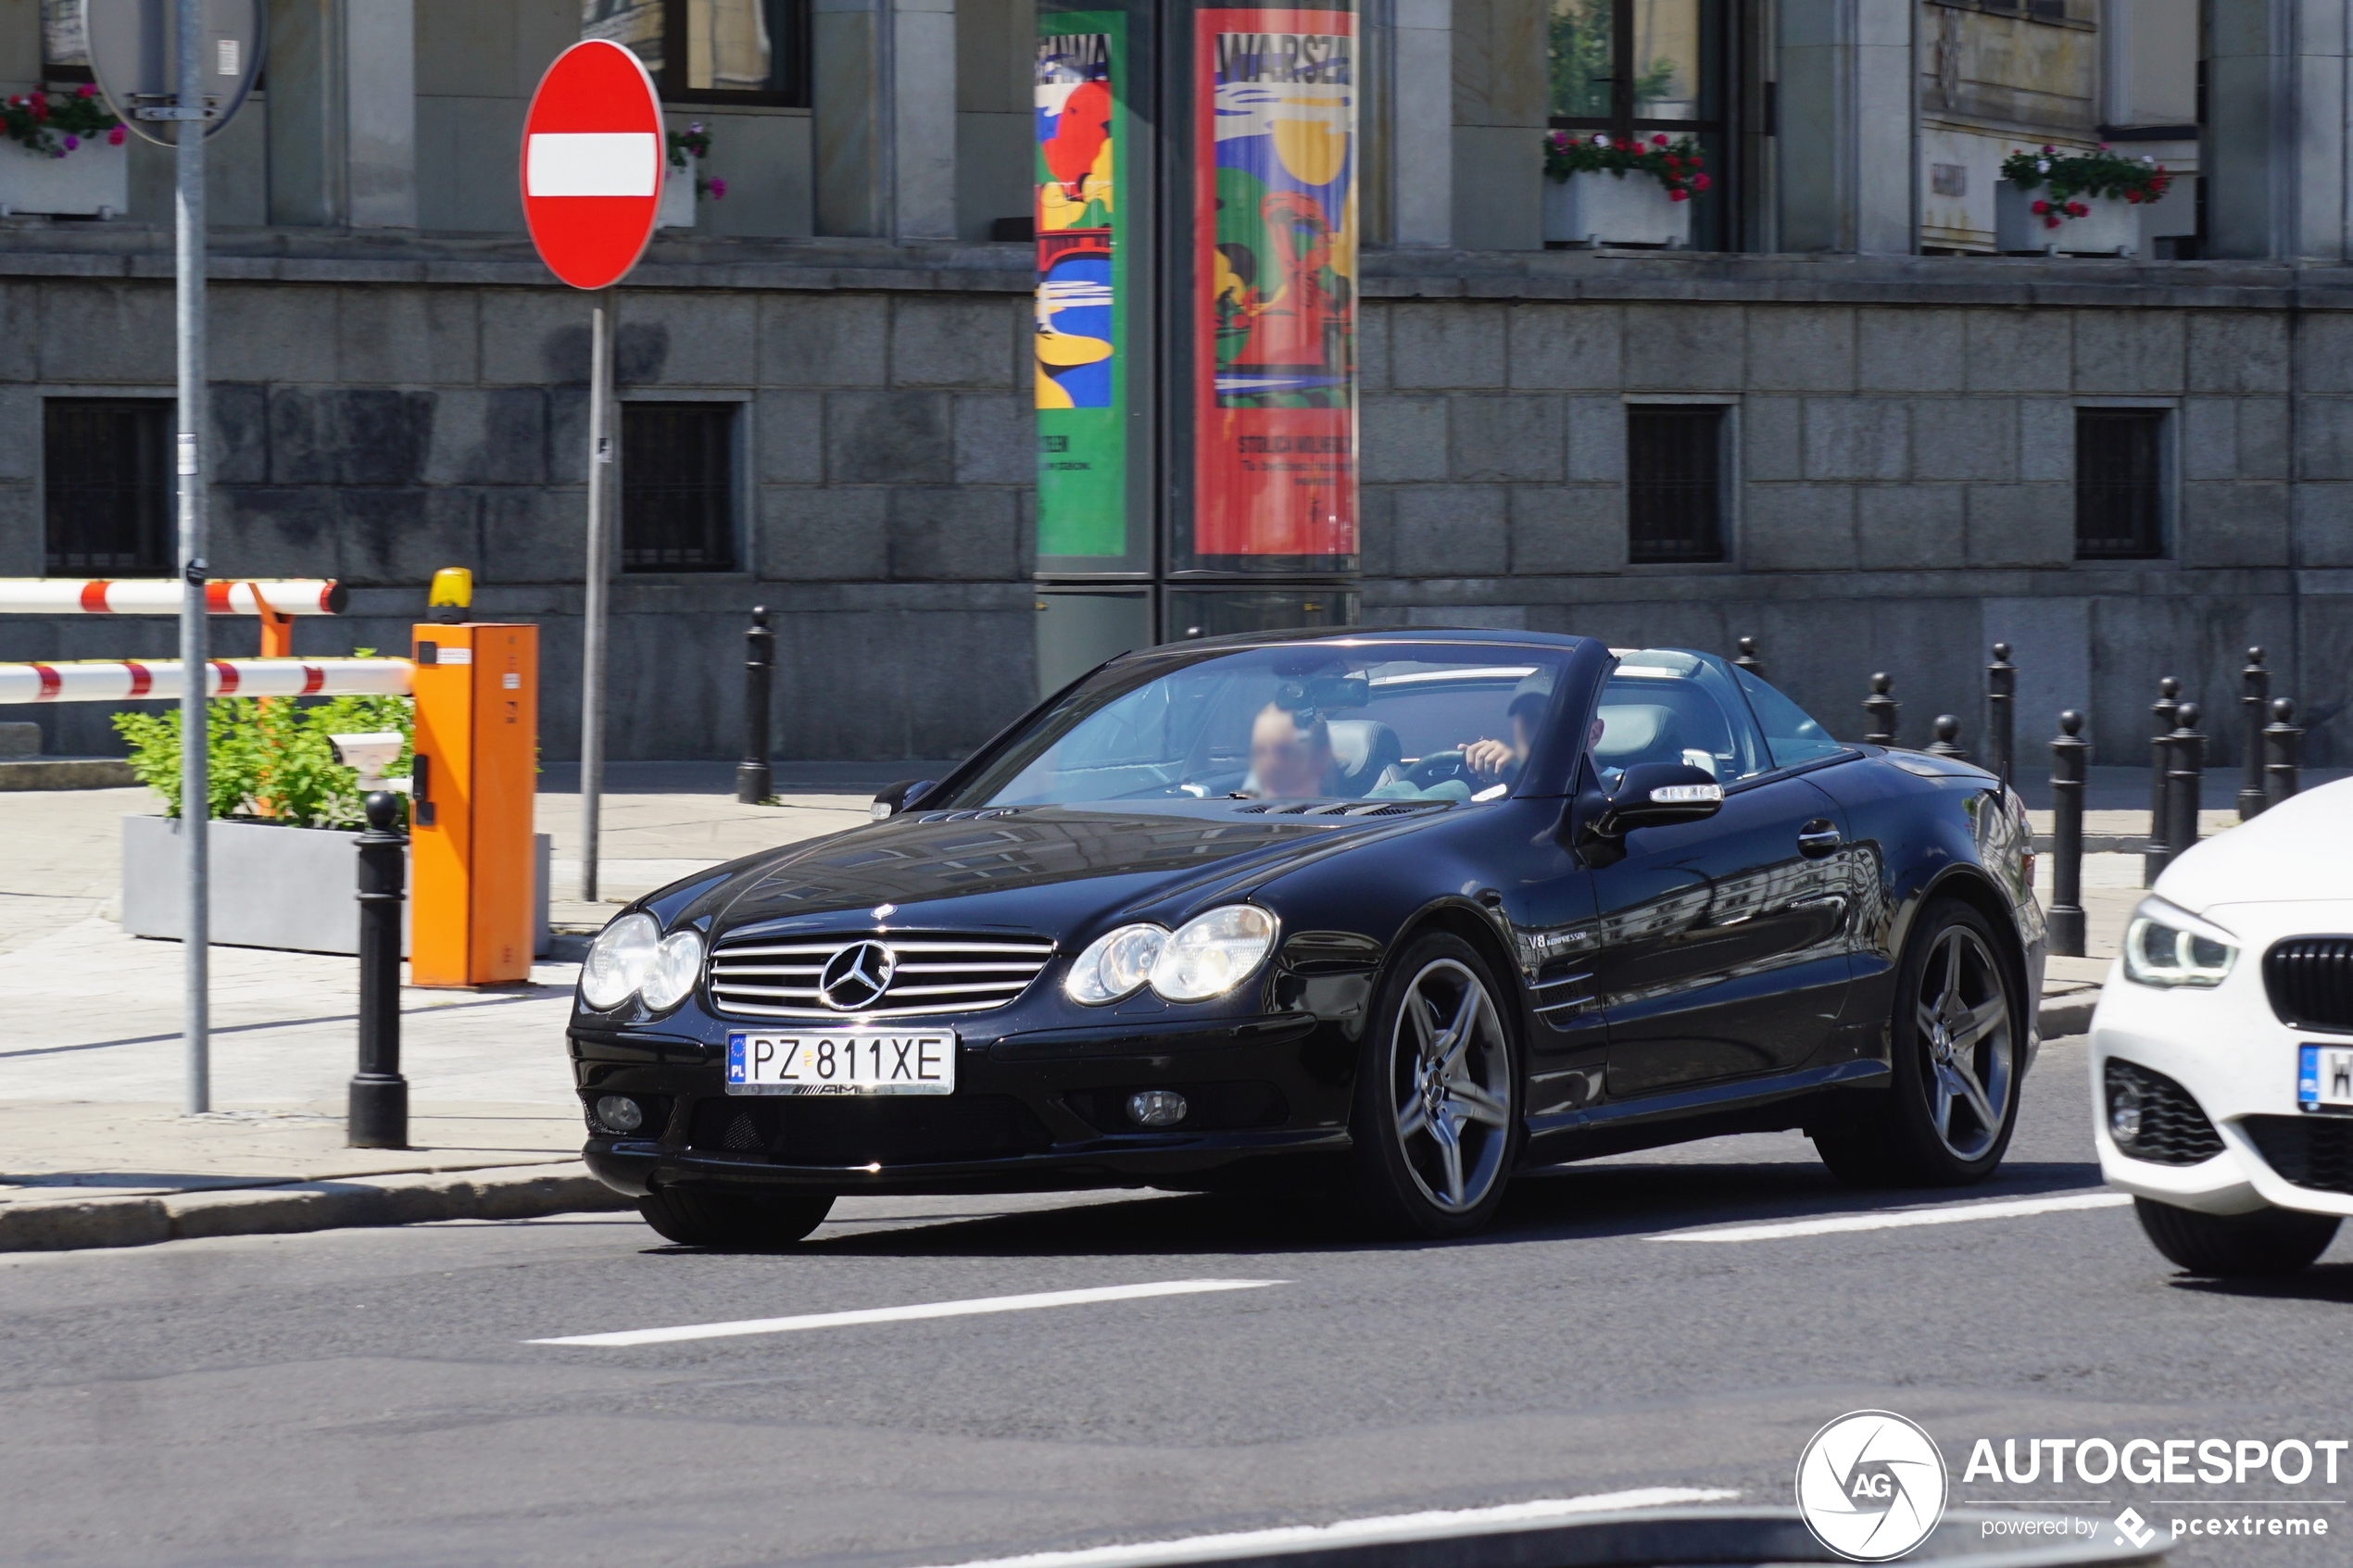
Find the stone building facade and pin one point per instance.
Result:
(399, 386)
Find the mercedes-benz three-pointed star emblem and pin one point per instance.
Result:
(855, 978)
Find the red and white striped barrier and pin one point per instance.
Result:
(140, 680)
(160, 596)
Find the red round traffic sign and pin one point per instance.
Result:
(592, 164)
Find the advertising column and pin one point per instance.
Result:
(1263, 531)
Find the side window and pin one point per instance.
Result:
(1790, 732)
(1668, 705)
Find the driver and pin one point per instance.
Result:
(1496, 761)
(1291, 754)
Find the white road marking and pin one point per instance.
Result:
(977, 1305)
(1955, 1215)
(1395, 1526)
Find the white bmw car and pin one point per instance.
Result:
(2223, 1048)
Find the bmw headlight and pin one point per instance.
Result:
(619, 961)
(1115, 965)
(2165, 945)
(677, 964)
(1211, 955)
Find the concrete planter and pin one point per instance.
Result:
(677, 197)
(2111, 228)
(1610, 209)
(292, 888)
(93, 180)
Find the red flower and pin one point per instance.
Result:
(1659, 139)
(2132, 196)
(2077, 210)
(1679, 195)
(1700, 182)
(1674, 163)
(114, 137)
(86, 91)
(2040, 208)
(2051, 222)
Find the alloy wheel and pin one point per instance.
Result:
(1962, 1016)
(1450, 1082)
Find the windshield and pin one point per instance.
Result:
(1378, 721)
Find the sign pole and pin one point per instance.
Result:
(592, 636)
(195, 796)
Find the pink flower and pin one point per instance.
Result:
(86, 91)
(1659, 139)
(72, 142)
(2051, 222)
(1679, 195)
(1700, 182)
(2076, 209)
(718, 189)
(2040, 208)
(114, 137)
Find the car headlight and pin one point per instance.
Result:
(619, 961)
(1211, 955)
(677, 964)
(1115, 965)
(2165, 945)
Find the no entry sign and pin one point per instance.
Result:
(592, 157)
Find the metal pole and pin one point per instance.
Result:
(2154, 858)
(2184, 781)
(1749, 658)
(753, 784)
(195, 794)
(2255, 706)
(2282, 749)
(2001, 712)
(378, 1117)
(2068, 756)
(1879, 710)
(591, 646)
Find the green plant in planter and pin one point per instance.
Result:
(2065, 177)
(50, 125)
(271, 761)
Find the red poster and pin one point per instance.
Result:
(1274, 230)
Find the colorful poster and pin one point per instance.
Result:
(1082, 492)
(1275, 237)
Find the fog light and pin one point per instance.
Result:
(2124, 1112)
(1156, 1107)
(620, 1113)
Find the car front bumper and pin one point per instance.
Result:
(2232, 1056)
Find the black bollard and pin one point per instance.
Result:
(2184, 782)
(1748, 659)
(379, 1115)
(2001, 718)
(2070, 753)
(1881, 710)
(2161, 711)
(752, 783)
(1949, 738)
(2282, 754)
(2255, 706)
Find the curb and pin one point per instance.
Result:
(510, 1193)
(2070, 1014)
(66, 773)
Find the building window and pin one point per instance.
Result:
(677, 487)
(106, 484)
(1631, 67)
(712, 50)
(2120, 483)
(1674, 483)
(65, 49)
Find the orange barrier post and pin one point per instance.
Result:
(477, 745)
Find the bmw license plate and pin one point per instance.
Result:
(841, 1061)
(2325, 1079)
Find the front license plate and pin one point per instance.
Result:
(831, 1061)
(2325, 1079)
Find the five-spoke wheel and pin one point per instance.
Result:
(1437, 1106)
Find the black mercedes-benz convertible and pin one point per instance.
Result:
(1392, 915)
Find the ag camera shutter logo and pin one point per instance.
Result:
(1871, 1485)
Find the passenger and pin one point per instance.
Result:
(1290, 755)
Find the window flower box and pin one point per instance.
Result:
(2074, 203)
(1633, 192)
(93, 180)
(683, 183)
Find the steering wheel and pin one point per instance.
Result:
(1436, 768)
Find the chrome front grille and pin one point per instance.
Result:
(932, 972)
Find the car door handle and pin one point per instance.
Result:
(1817, 838)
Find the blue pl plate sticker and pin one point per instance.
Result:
(2324, 1078)
(736, 1059)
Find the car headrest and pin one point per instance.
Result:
(1632, 730)
(1362, 751)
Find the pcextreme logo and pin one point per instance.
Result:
(1871, 1485)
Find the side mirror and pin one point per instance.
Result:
(1655, 794)
(894, 798)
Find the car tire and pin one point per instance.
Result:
(2269, 1241)
(729, 1220)
(1957, 1046)
(1436, 1121)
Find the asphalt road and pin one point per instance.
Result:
(374, 1396)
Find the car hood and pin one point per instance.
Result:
(2300, 850)
(1040, 868)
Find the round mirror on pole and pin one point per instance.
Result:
(135, 56)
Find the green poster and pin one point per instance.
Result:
(1082, 289)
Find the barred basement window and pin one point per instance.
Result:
(1674, 490)
(107, 484)
(2120, 483)
(677, 487)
